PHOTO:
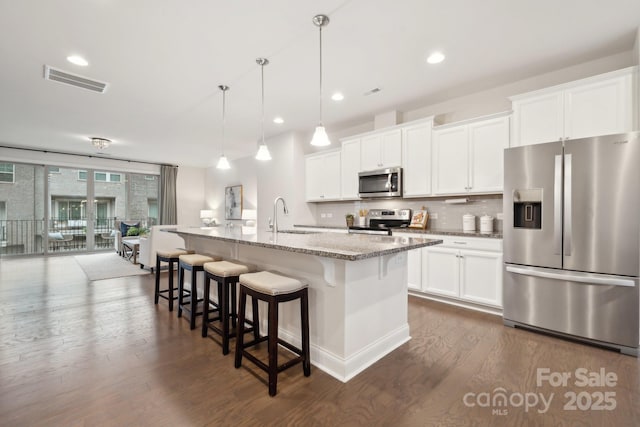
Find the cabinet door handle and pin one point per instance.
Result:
(460, 243)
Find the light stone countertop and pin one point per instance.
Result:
(494, 235)
(349, 247)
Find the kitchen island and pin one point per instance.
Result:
(357, 288)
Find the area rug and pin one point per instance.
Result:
(107, 266)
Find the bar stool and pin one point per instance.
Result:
(193, 263)
(273, 288)
(226, 274)
(169, 257)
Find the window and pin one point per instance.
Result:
(101, 176)
(150, 177)
(53, 169)
(152, 211)
(7, 172)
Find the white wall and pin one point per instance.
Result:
(190, 194)
(242, 172)
(283, 176)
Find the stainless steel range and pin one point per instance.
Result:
(382, 220)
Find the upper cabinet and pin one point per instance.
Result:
(350, 168)
(598, 105)
(468, 157)
(381, 150)
(322, 176)
(416, 159)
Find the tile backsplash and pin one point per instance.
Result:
(448, 216)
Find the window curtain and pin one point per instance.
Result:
(168, 203)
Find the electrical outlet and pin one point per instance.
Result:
(434, 216)
(323, 215)
(329, 215)
(499, 216)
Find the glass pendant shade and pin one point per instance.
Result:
(263, 153)
(320, 138)
(223, 163)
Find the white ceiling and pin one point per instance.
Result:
(163, 60)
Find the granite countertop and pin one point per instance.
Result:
(494, 235)
(349, 247)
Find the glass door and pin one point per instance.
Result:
(69, 226)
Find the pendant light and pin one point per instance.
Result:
(263, 150)
(223, 163)
(320, 137)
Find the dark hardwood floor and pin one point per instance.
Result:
(74, 352)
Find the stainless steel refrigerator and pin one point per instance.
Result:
(572, 239)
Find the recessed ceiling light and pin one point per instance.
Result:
(337, 96)
(278, 120)
(435, 58)
(77, 60)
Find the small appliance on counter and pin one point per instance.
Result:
(469, 223)
(382, 220)
(486, 224)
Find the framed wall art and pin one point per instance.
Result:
(233, 202)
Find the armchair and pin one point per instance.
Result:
(120, 232)
(157, 239)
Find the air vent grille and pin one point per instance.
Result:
(60, 76)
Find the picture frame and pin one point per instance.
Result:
(419, 219)
(233, 202)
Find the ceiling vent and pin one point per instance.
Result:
(54, 74)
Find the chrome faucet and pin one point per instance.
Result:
(275, 212)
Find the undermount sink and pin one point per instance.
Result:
(298, 232)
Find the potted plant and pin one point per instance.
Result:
(349, 218)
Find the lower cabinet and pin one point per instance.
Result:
(465, 269)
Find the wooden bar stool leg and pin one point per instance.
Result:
(180, 289)
(170, 283)
(205, 306)
(223, 302)
(304, 312)
(240, 332)
(193, 299)
(256, 318)
(273, 346)
(233, 302)
(157, 294)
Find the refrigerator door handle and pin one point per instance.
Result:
(568, 234)
(581, 278)
(557, 207)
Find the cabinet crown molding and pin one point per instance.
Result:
(587, 80)
(389, 129)
(474, 120)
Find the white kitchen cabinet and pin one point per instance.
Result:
(462, 269)
(598, 105)
(416, 159)
(441, 272)
(381, 150)
(480, 272)
(467, 158)
(414, 262)
(322, 176)
(350, 167)
(487, 141)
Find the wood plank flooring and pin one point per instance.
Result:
(80, 353)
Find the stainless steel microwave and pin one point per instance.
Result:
(380, 183)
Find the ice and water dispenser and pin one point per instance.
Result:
(527, 208)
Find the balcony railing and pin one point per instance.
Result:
(24, 237)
